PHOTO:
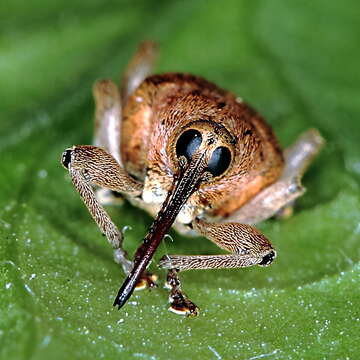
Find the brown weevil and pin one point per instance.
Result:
(195, 157)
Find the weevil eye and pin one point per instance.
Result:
(188, 143)
(219, 161)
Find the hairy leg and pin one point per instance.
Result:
(247, 247)
(89, 165)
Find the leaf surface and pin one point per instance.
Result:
(297, 63)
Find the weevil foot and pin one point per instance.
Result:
(181, 305)
(147, 280)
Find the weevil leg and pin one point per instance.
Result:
(179, 303)
(107, 131)
(90, 165)
(247, 245)
(301, 154)
(107, 117)
(109, 101)
(298, 158)
(138, 69)
(279, 197)
(268, 202)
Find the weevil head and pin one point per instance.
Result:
(199, 139)
(213, 143)
(207, 139)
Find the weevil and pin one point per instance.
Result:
(195, 157)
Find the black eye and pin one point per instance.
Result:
(188, 143)
(220, 161)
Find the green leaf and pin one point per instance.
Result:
(297, 62)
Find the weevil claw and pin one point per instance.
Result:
(147, 280)
(181, 305)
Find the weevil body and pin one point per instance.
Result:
(193, 156)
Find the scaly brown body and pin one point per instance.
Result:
(192, 155)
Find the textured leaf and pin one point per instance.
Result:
(297, 62)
